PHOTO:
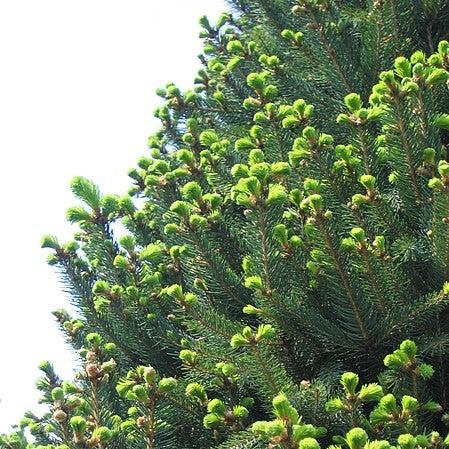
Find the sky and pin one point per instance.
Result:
(77, 84)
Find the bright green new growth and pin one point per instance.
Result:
(283, 279)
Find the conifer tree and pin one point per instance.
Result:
(278, 273)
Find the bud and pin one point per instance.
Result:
(181, 208)
(57, 394)
(288, 34)
(93, 339)
(175, 292)
(238, 340)
(240, 412)
(247, 332)
(198, 221)
(403, 67)
(184, 155)
(274, 428)
(395, 360)
(256, 156)
(251, 310)
(409, 347)
(270, 92)
(260, 170)
(100, 287)
(349, 381)
(208, 137)
(409, 403)
(418, 57)
(69, 388)
(216, 406)
(295, 241)
(247, 264)
(368, 181)
(49, 241)
(429, 155)
(149, 374)
(254, 283)
(211, 420)
(252, 185)
(117, 290)
(370, 393)
(358, 199)
(348, 244)
(280, 169)
(92, 370)
(108, 366)
(353, 102)
(73, 402)
(281, 406)
(240, 171)
(251, 103)
(170, 228)
(260, 118)
(265, 332)
(309, 443)
(244, 144)
(342, 118)
(191, 191)
(335, 405)
(356, 438)
(259, 428)
(388, 402)
(358, 234)
(187, 356)
(445, 288)
(379, 242)
(316, 202)
(200, 284)
(425, 370)
(140, 392)
(103, 434)
(407, 441)
(296, 197)
(442, 121)
(188, 138)
(443, 168)
(432, 406)
(437, 77)
(190, 299)
(60, 416)
(290, 121)
(120, 262)
(435, 183)
(78, 424)
(256, 81)
(195, 390)
(167, 384)
(387, 77)
(280, 234)
(443, 48)
(276, 194)
(309, 133)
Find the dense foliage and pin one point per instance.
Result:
(288, 229)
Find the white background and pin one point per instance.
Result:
(77, 81)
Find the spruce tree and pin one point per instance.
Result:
(278, 273)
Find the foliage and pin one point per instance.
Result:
(287, 230)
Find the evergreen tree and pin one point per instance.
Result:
(288, 229)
